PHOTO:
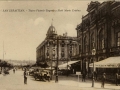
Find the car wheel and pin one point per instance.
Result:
(48, 79)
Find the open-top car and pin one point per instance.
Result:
(6, 72)
(31, 71)
(42, 75)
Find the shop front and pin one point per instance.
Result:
(69, 67)
(110, 66)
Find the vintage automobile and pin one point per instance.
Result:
(6, 72)
(42, 75)
(31, 71)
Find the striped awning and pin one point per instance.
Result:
(111, 62)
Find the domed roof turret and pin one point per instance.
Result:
(51, 31)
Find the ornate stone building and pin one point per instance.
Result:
(99, 30)
(56, 47)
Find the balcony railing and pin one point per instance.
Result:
(115, 49)
(101, 51)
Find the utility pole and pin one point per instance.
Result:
(57, 60)
(3, 50)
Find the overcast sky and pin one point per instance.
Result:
(22, 32)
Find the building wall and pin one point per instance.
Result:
(46, 52)
(98, 30)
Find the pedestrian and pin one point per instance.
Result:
(25, 77)
(48, 76)
(83, 77)
(116, 78)
(103, 80)
(95, 73)
(13, 70)
(67, 73)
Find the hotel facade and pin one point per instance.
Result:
(99, 35)
(56, 47)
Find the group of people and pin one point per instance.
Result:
(95, 75)
(103, 78)
(84, 76)
(117, 77)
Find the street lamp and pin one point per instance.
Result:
(93, 53)
(48, 45)
(56, 80)
(53, 55)
(57, 39)
(70, 54)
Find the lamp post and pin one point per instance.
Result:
(57, 39)
(93, 53)
(48, 45)
(56, 80)
(51, 69)
(70, 55)
(53, 55)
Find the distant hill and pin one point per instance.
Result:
(20, 62)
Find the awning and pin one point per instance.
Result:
(36, 67)
(111, 62)
(64, 66)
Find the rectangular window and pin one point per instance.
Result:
(118, 39)
(102, 43)
(86, 48)
(79, 49)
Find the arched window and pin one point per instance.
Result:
(78, 33)
(80, 46)
(85, 44)
(92, 41)
(101, 40)
(62, 48)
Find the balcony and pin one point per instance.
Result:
(86, 54)
(115, 50)
(101, 51)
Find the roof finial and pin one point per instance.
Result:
(52, 22)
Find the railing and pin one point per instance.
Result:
(101, 51)
(115, 49)
(86, 54)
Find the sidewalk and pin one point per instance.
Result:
(73, 81)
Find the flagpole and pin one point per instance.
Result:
(3, 55)
(3, 50)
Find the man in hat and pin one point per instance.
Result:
(25, 77)
(116, 78)
(103, 80)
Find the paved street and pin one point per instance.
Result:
(16, 82)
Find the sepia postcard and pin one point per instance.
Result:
(60, 45)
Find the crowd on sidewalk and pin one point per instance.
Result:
(101, 80)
